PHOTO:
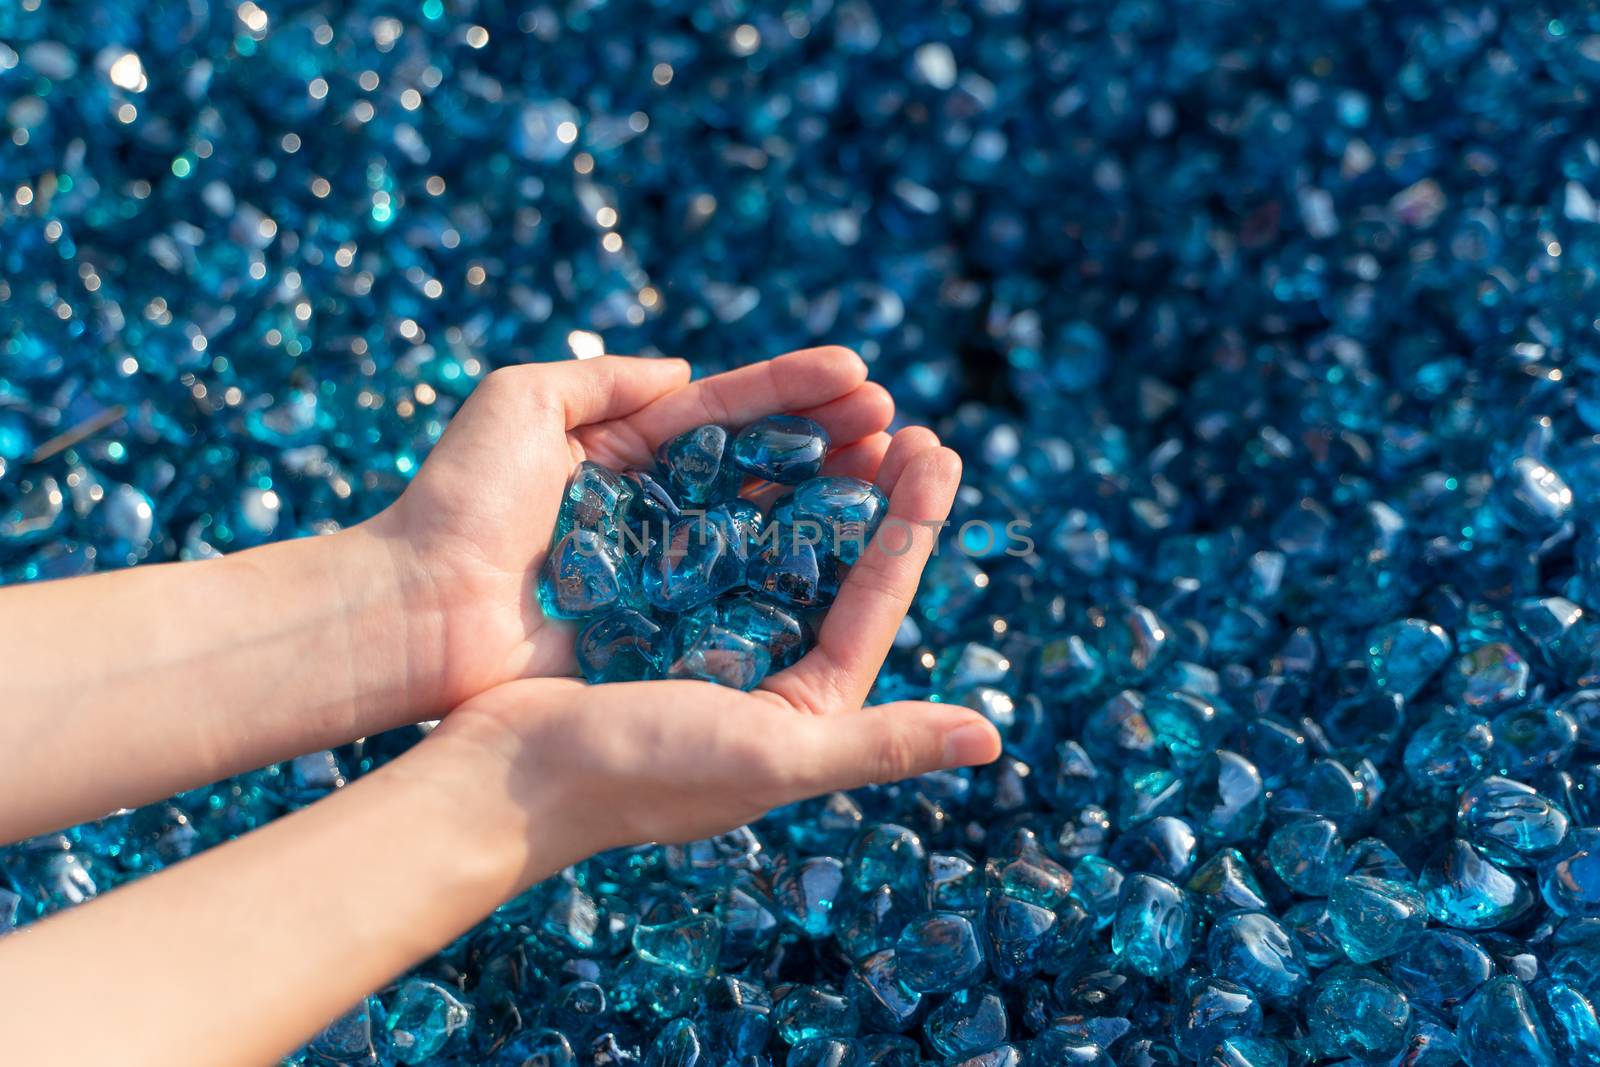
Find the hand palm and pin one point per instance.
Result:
(671, 760)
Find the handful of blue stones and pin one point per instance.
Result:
(1275, 323)
(677, 576)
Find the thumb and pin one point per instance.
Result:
(610, 387)
(890, 742)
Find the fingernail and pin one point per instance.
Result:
(968, 745)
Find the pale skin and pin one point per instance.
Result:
(121, 689)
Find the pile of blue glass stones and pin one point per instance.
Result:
(680, 577)
(1276, 322)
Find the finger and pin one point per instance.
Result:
(889, 743)
(860, 627)
(907, 445)
(860, 460)
(863, 411)
(793, 382)
(608, 387)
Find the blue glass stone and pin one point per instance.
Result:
(953, 882)
(1464, 888)
(1356, 1012)
(1560, 633)
(423, 1017)
(1371, 857)
(1375, 917)
(845, 511)
(734, 1017)
(807, 893)
(810, 1012)
(1069, 1049)
(1441, 968)
(1020, 936)
(967, 666)
(1097, 883)
(1531, 497)
(1528, 740)
(888, 1050)
(651, 511)
(1583, 708)
(823, 1052)
(1154, 926)
(870, 921)
(939, 952)
(1036, 879)
(1489, 676)
(623, 646)
(677, 1045)
(697, 466)
(781, 448)
(1256, 951)
(1249, 1052)
(1569, 880)
(350, 1039)
(1068, 667)
(1308, 855)
(884, 1001)
(1225, 883)
(1510, 821)
(970, 1020)
(1448, 749)
(793, 569)
(1134, 643)
(1405, 654)
(584, 575)
(1499, 1025)
(784, 635)
(709, 651)
(1165, 845)
(690, 944)
(741, 521)
(1570, 1023)
(1211, 1010)
(1000, 1056)
(1313, 926)
(694, 564)
(594, 499)
(1227, 797)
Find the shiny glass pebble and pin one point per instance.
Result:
(1374, 917)
(623, 646)
(938, 953)
(1358, 1013)
(697, 466)
(1154, 926)
(781, 448)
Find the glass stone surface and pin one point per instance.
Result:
(787, 449)
(938, 953)
(585, 574)
(847, 511)
(1338, 523)
(697, 466)
(623, 646)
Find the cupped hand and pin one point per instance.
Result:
(608, 765)
(476, 521)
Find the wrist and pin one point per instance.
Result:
(395, 623)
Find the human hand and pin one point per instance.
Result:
(475, 523)
(608, 765)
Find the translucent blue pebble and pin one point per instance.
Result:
(595, 499)
(585, 574)
(622, 646)
(702, 648)
(1466, 889)
(422, 1019)
(1499, 1026)
(781, 448)
(847, 511)
(794, 569)
(1211, 1010)
(939, 952)
(695, 563)
(1154, 926)
(1375, 917)
(697, 466)
(1257, 951)
(1356, 1012)
(1570, 879)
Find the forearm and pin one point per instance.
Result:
(124, 688)
(240, 954)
